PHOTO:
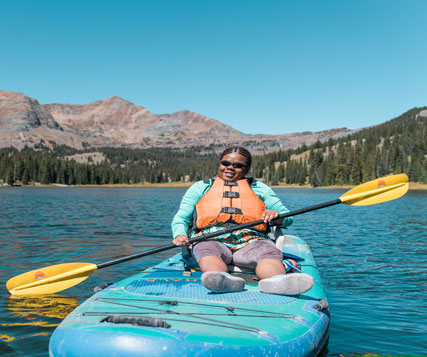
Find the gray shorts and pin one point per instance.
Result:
(246, 257)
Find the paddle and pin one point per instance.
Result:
(59, 277)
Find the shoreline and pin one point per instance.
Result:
(413, 186)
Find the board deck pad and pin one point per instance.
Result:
(172, 284)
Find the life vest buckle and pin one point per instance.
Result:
(231, 210)
(230, 194)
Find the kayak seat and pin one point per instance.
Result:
(287, 245)
(284, 242)
(188, 258)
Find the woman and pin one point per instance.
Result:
(231, 199)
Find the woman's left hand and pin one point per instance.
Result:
(268, 215)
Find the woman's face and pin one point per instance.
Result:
(231, 173)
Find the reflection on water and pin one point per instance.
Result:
(33, 307)
(32, 318)
(372, 259)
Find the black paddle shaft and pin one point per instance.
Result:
(218, 233)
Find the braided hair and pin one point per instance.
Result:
(239, 150)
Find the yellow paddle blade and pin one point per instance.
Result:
(51, 279)
(377, 191)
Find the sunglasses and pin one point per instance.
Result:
(236, 165)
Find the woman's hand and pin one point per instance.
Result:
(268, 215)
(181, 240)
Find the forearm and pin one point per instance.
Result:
(183, 218)
(274, 203)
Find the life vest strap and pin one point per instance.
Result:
(230, 183)
(231, 210)
(230, 194)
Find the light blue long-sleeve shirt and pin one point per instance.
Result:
(184, 217)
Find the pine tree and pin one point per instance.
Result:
(356, 168)
(45, 177)
(25, 177)
(9, 176)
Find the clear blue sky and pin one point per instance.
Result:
(259, 66)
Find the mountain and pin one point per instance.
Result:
(117, 122)
(396, 146)
(126, 123)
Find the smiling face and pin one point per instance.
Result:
(230, 173)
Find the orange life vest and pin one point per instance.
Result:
(229, 203)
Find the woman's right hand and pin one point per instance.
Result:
(181, 240)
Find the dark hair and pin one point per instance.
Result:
(239, 150)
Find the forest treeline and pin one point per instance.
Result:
(397, 146)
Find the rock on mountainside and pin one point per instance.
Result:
(114, 118)
(23, 121)
(117, 122)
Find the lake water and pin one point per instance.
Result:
(372, 259)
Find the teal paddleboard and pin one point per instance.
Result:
(166, 311)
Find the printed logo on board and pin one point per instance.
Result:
(39, 274)
(381, 183)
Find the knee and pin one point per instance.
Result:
(212, 263)
(266, 268)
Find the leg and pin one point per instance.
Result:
(262, 256)
(268, 263)
(213, 258)
(212, 263)
(267, 268)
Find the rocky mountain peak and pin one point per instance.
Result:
(117, 122)
(21, 113)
